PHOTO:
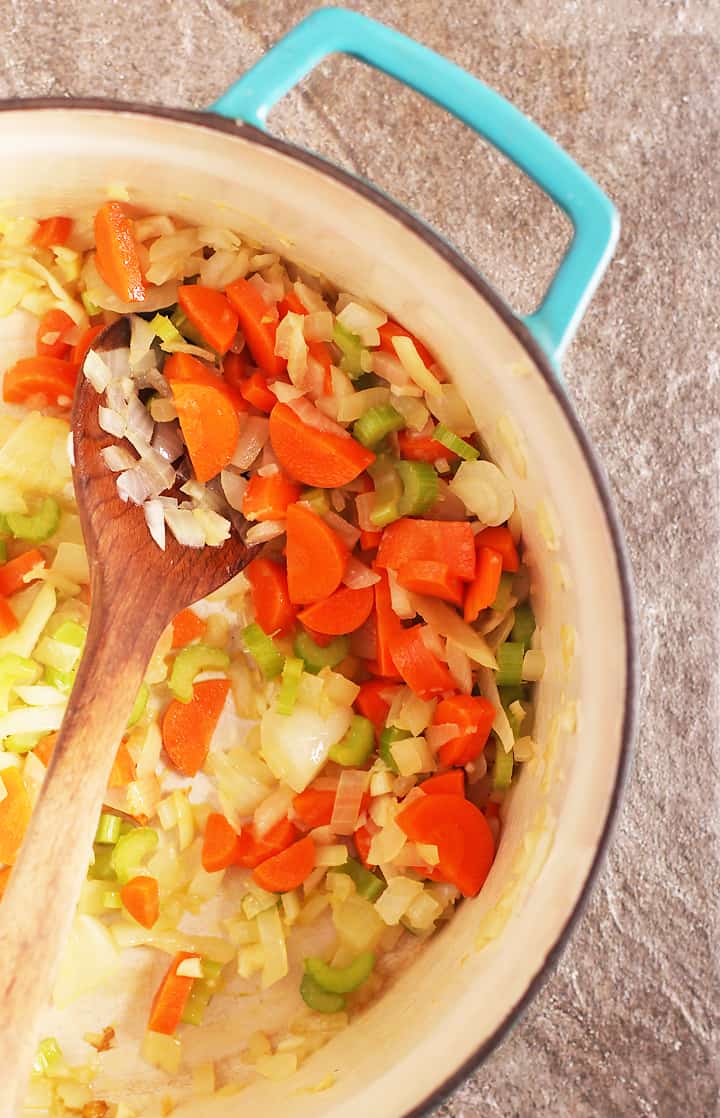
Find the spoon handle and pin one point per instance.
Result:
(44, 886)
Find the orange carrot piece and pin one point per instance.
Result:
(219, 843)
(393, 330)
(4, 878)
(422, 448)
(314, 806)
(388, 627)
(267, 498)
(445, 784)
(8, 620)
(258, 322)
(500, 539)
(171, 996)
(206, 412)
(287, 870)
(460, 831)
(369, 541)
(123, 770)
(52, 231)
(117, 258)
(362, 839)
(447, 541)
(51, 331)
(256, 392)
(45, 748)
(12, 573)
(342, 612)
(140, 897)
(316, 556)
(423, 672)
(33, 376)
(235, 369)
(274, 612)
(14, 815)
(188, 727)
(474, 716)
(210, 311)
(482, 591)
(373, 701)
(80, 351)
(425, 576)
(318, 350)
(318, 458)
(187, 627)
(253, 849)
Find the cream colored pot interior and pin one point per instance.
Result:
(468, 979)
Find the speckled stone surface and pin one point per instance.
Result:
(628, 1024)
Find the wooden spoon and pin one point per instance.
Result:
(137, 590)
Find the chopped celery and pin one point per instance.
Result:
(91, 308)
(63, 681)
(131, 850)
(341, 980)
(316, 657)
(351, 348)
(15, 670)
(201, 993)
(376, 424)
(263, 650)
(390, 735)
(357, 745)
(515, 693)
(318, 999)
(184, 326)
(190, 662)
(108, 829)
(40, 526)
(453, 442)
(509, 658)
(367, 884)
(388, 490)
(49, 1056)
(101, 868)
(141, 701)
(70, 632)
(420, 487)
(165, 329)
(502, 769)
(317, 499)
(524, 626)
(291, 676)
(504, 594)
(21, 743)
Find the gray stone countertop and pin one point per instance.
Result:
(628, 1023)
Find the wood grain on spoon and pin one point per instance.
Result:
(137, 590)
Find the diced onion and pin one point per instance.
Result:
(131, 486)
(386, 844)
(333, 855)
(350, 791)
(413, 410)
(352, 407)
(412, 756)
(311, 416)
(451, 625)
(262, 533)
(501, 725)
(485, 490)
(285, 392)
(437, 736)
(414, 366)
(254, 434)
(155, 518)
(460, 667)
(183, 525)
(357, 576)
(110, 421)
(533, 666)
(347, 532)
(117, 458)
(450, 408)
(97, 371)
(448, 505)
(400, 600)
(413, 713)
(272, 939)
(318, 326)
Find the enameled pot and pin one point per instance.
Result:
(445, 1012)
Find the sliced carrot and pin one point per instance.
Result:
(219, 843)
(423, 672)
(258, 323)
(4, 878)
(343, 612)
(388, 628)
(460, 831)
(317, 458)
(256, 392)
(500, 539)
(287, 870)
(140, 897)
(124, 768)
(15, 812)
(369, 541)
(447, 541)
(482, 591)
(422, 448)
(80, 350)
(51, 331)
(206, 412)
(210, 311)
(425, 576)
(12, 573)
(316, 556)
(34, 376)
(267, 498)
(491, 810)
(171, 997)
(52, 231)
(373, 701)
(445, 784)
(187, 627)
(235, 369)
(45, 748)
(474, 716)
(117, 257)
(252, 849)
(8, 620)
(362, 839)
(314, 806)
(188, 727)
(393, 330)
(274, 612)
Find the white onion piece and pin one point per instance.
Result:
(447, 506)
(158, 473)
(352, 407)
(357, 576)
(233, 486)
(272, 809)
(311, 299)
(314, 418)
(501, 726)
(459, 666)
(262, 533)
(185, 528)
(318, 326)
(363, 321)
(253, 437)
(364, 505)
(223, 267)
(485, 490)
(285, 392)
(450, 408)
(390, 369)
(347, 532)
(97, 371)
(118, 458)
(437, 736)
(132, 487)
(139, 420)
(433, 641)
(350, 791)
(111, 422)
(167, 441)
(142, 337)
(400, 598)
(155, 519)
(415, 367)
(447, 622)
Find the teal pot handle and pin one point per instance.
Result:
(593, 216)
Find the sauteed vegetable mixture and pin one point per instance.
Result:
(327, 740)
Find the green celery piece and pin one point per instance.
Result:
(102, 868)
(40, 526)
(351, 348)
(184, 326)
(453, 442)
(49, 1056)
(509, 656)
(131, 850)
(377, 424)
(388, 490)
(524, 626)
(291, 676)
(21, 743)
(502, 769)
(189, 663)
(420, 487)
(341, 980)
(390, 735)
(263, 650)
(502, 598)
(108, 829)
(318, 999)
(72, 633)
(141, 701)
(317, 499)
(316, 657)
(357, 745)
(367, 884)
(165, 329)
